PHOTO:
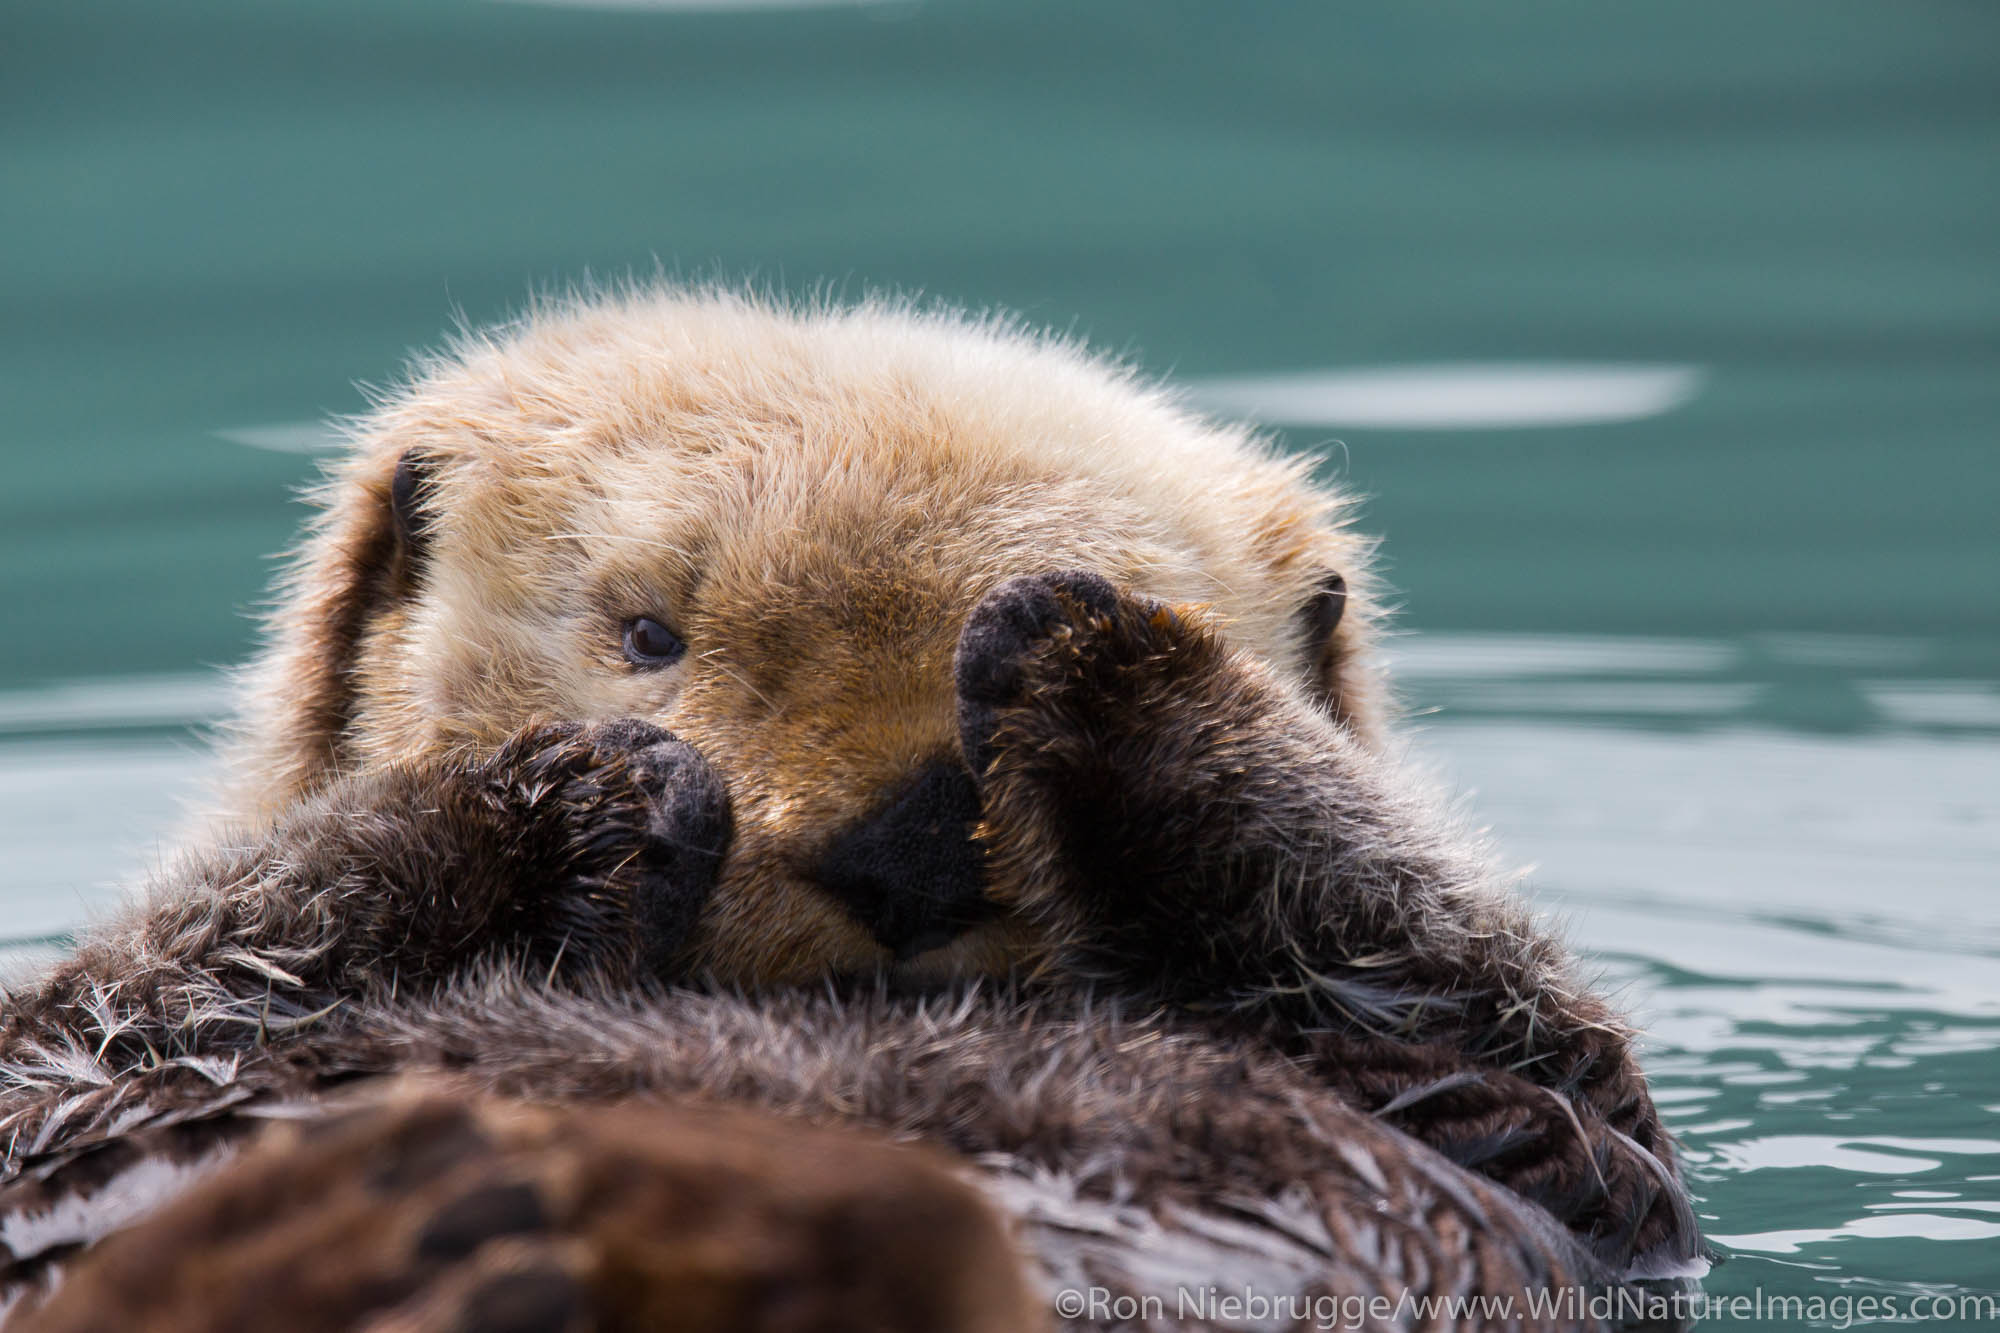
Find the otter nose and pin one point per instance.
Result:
(910, 872)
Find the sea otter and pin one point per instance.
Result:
(864, 715)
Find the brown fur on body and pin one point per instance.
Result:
(430, 1212)
(835, 509)
(1106, 1135)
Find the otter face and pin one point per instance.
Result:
(764, 531)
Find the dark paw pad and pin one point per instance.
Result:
(683, 829)
(1003, 633)
(638, 815)
(687, 835)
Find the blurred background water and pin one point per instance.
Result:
(1667, 340)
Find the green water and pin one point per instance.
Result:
(1667, 340)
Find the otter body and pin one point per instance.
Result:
(881, 719)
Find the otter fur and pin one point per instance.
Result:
(864, 716)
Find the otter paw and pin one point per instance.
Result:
(625, 826)
(1068, 643)
(1128, 765)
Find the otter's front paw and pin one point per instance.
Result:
(1049, 660)
(622, 828)
(1003, 648)
(1112, 738)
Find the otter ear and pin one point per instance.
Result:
(410, 502)
(1318, 619)
(362, 561)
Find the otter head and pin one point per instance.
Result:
(763, 530)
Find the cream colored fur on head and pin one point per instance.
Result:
(813, 497)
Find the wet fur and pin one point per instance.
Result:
(1241, 960)
(432, 1210)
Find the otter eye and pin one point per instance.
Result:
(648, 643)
